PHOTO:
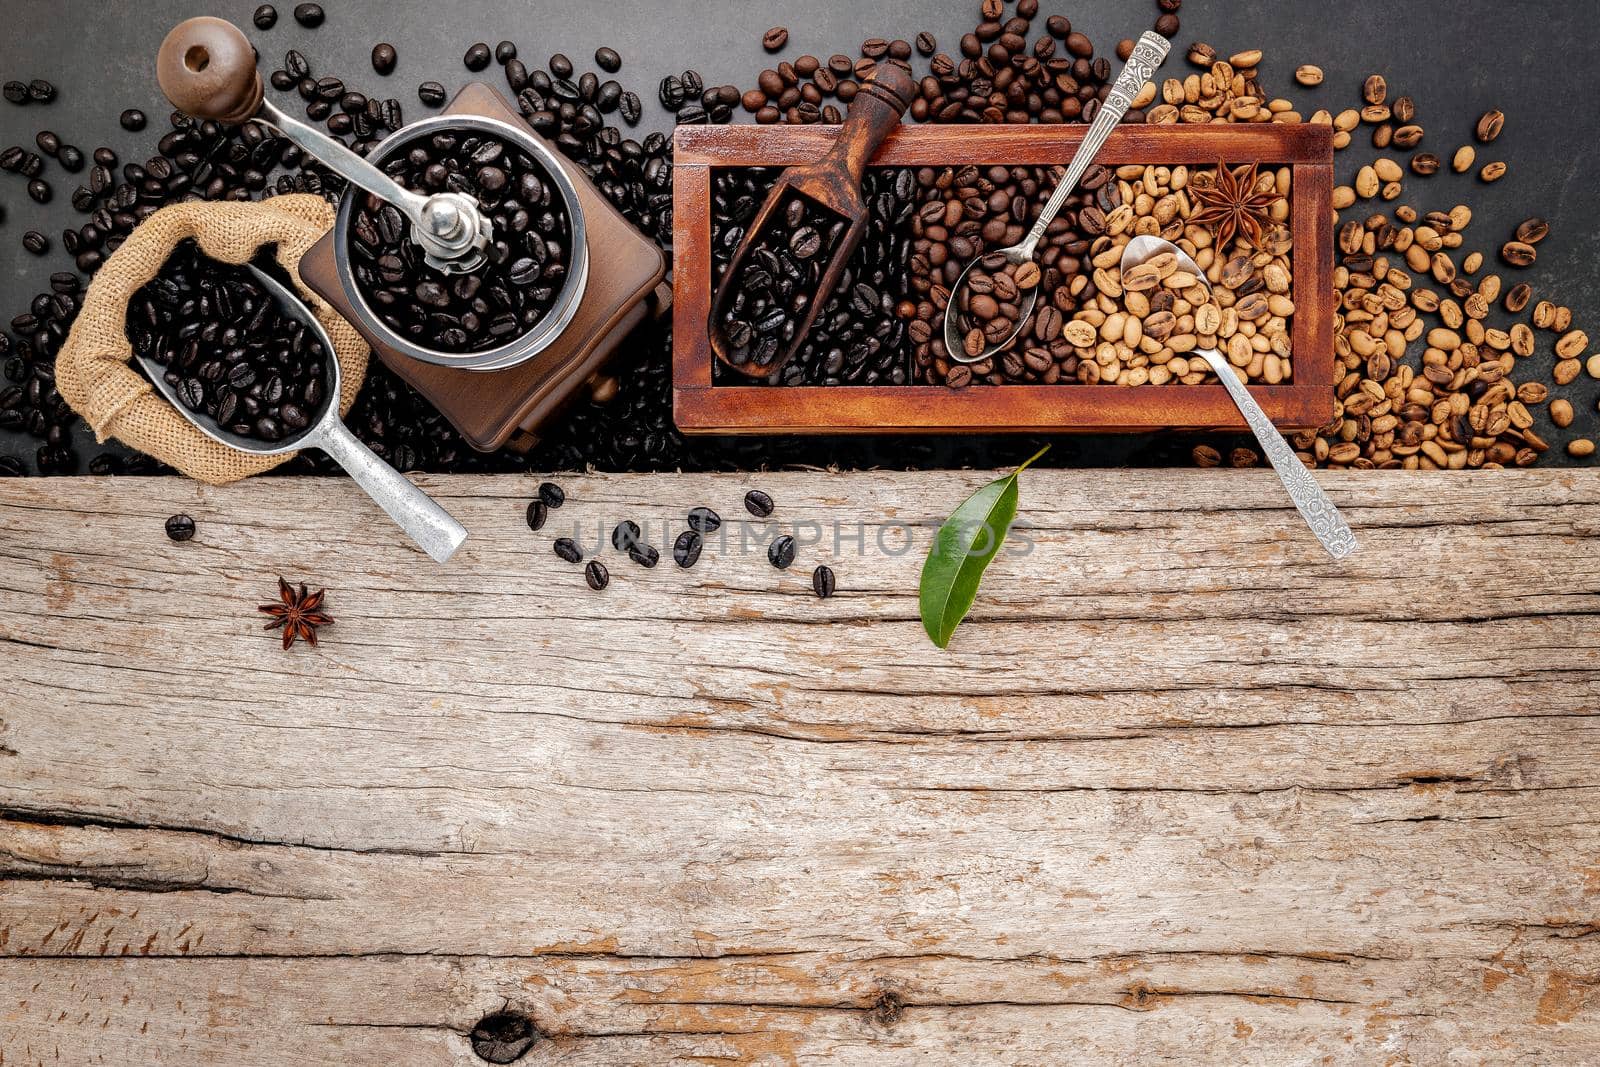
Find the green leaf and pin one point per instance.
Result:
(968, 540)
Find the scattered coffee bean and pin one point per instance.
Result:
(180, 528)
(644, 555)
(1489, 126)
(823, 582)
(781, 552)
(36, 242)
(1561, 412)
(704, 520)
(758, 503)
(132, 120)
(1518, 296)
(477, 57)
(309, 15)
(1533, 230)
(552, 494)
(266, 17)
(505, 52)
(927, 44)
(538, 512)
(1308, 75)
(431, 93)
(1518, 253)
(775, 39)
(70, 157)
(16, 92)
(596, 575)
(228, 349)
(41, 91)
(1493, 172)
(39, 191)
(567, 549)
(686, 549)
(48, 142)
(607, 60)
(625, 535)
(384, 58)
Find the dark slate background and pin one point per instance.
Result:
(1531, 58)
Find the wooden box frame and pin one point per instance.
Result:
(701, 407)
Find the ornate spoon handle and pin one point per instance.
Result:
(1315, 507)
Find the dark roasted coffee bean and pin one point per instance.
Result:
(133, 120)
(309, 15)
(823, 582)
(41, 91)
(630, 108)
(560, 66)
(180, 528)
(568, 549)
(552, 494)
(384, 58)
(477, 57)
(644, 555)
(16, 92)
(36, 242)
(758, 503)
(39, 191)
(704, 520)
(596, 575)
(431, 93)
(266, 17)
(47, 141)
(71, 158)
(927, 44)
(537, 514)
(775, 39)
(781, 552)
(625, 535)
(607, 60)
(686, 549)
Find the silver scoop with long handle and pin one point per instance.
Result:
(1314, 505)
(1143, 62)
(429, 525)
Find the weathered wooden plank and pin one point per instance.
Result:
(1180, 784)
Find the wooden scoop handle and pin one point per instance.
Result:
(877, 108)
(207, 69)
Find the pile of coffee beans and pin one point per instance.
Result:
(858, 337)
(779, 279)
(527, 260)
(965, 213)
(230, 352)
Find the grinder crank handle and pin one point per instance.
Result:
(207, 69)
(878, 107)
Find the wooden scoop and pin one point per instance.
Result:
(834, 183)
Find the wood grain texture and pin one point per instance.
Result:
(1182, 788)
(701, 407)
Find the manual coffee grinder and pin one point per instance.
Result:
(499, 397)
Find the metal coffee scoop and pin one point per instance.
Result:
(1315, 507)
(207, 68)
(429, 525)
(1146, 58)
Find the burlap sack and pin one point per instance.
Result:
(92, 370)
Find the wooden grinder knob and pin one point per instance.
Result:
(208, 69)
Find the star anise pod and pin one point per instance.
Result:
(297, 613)
(1231, 205)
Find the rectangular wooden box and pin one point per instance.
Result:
(701, 407)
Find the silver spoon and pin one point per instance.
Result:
(1146, 58)
(429, 525)
(1315, 507)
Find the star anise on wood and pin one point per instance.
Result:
(298, 613)
(1232, 205)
